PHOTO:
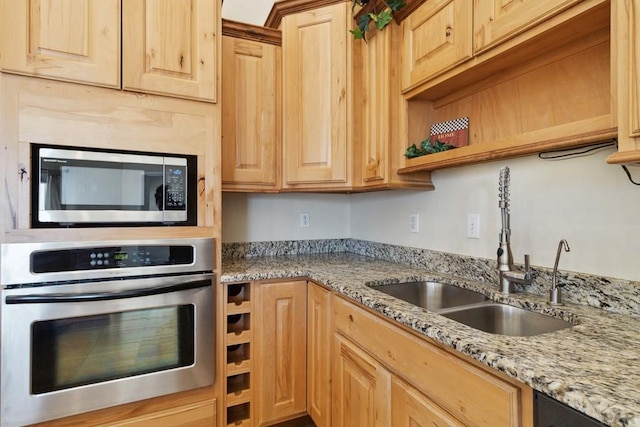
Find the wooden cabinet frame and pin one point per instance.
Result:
(167, 48)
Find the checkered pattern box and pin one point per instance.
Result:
(454, 132)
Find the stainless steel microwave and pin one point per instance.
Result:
(75, 187)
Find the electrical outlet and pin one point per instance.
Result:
(473, 226)
(414, 223)
(305, 220)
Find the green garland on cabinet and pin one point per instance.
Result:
(426, 147)
(380, 19)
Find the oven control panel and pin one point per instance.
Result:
(111, 257)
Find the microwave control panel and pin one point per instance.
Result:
(175, 187)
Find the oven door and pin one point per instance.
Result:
(69, 349)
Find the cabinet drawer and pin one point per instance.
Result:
(193, 415)
(437, 36)
(471, 394)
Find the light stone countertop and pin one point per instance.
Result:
(593, 367)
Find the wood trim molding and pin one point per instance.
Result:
(256, 33)
(287, 7)
(403, 13)
(379, 5)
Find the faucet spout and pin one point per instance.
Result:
(508, 274)
(555, 295)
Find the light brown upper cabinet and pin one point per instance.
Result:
(437, 36)
(379, 119)
(74, 40)
(251, 130)
(168, 48)
(343, 114)
(316, 58)
(497, 20)
(626, 65)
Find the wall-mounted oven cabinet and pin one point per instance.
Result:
(92, 325)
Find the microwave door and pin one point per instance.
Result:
(97, 188)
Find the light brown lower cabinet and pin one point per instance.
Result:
(319, 339)
(158, 412)
(410, 408)
(321, 354)
(281, 361)
(365, 393)
(361, 387)
(193, 415)
(377, 362)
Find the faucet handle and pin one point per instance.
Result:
(527, 267)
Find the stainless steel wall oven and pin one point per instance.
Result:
(97, 324)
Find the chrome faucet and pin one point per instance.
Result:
(555, 295)
(507, 272)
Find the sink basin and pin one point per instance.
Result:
(432, 296)
(506, 320)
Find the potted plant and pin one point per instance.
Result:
(378, 12)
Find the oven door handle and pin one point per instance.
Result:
(103, 296)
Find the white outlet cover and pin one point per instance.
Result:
(473, 226)
(414, 223)
(305, 220)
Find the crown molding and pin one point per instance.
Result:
(251, 32)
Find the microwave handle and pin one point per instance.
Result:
(104, 296)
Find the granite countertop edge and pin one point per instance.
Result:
(589, 367)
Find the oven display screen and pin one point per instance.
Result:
(120, 256)
(78, 351)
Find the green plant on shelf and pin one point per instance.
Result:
(426, 147)
(381, 18)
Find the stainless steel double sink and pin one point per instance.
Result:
(474, 309)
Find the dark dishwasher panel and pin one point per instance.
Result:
(549, 412)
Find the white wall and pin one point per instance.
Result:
(583, 200)
(591, 204)
(265, 217)
(250, 11)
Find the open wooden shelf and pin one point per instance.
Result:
(550, 91)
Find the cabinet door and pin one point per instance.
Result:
(410, 408)
(315, 62)
(361, 388)
(319, 355)
(498, 20)
(437, 36)
(375, 73)
(249, 112)
(281, 359)
(626, 66)
(169, 47)
(74, 40)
